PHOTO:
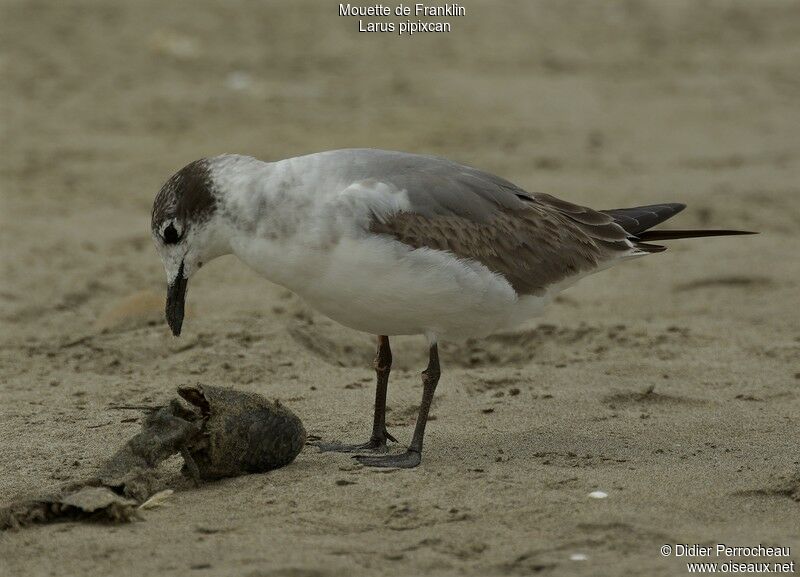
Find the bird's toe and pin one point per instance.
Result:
(407, 460)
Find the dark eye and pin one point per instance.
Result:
(171, 235)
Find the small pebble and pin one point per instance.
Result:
(578, 557)
(598, 495)
(238, 81)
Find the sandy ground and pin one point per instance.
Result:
(670, 383)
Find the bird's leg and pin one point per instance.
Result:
(377, 441)
(413, 455)
(383, 365)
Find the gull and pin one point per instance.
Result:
(392, 243)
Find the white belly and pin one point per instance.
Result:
(380, 286)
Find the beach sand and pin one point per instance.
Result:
(669, 383)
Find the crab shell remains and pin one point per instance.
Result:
(242, 432)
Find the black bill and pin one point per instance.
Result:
(176, 296)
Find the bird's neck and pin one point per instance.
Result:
(272, 219)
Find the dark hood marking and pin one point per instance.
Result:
(187, 196)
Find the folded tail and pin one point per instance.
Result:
(638, 220)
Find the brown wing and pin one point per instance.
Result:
(543, 242)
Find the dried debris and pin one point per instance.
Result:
(219, 432)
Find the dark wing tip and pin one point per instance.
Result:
(637, 219)
(650, 235)
(676, 207)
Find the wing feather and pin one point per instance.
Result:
(532, 239)
(532, 247)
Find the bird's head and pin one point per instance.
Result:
(185, 230)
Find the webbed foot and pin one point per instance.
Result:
(376, 444)
(407, 460)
